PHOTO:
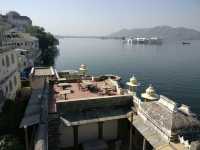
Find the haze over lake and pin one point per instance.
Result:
(172, 68)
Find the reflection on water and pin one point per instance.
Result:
(173, 68)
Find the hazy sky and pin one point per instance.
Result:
(101, 17)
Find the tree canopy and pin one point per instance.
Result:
(47, 45)
(10, 142)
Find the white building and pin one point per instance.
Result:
(9, 75)
(23, 41)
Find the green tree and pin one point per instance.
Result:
(12, 113)
(9, 142)
(47, 45)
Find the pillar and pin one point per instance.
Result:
(131, 133)
(144, 144)
(100, 128)
(75, 130)
(26, 137)
(118, 129)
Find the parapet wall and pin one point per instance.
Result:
(95, 103)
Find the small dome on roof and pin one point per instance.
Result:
(83, 67)
(132, 82)
(150, 90)
(150, 93)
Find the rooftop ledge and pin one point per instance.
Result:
(91, 98)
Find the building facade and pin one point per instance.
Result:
(9, 75)
(27, 46)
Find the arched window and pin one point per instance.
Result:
(3, 62)
(7, 61)
(12, 58)
(15, 80)
(10, 85)
(6, 89)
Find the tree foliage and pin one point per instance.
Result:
(47, 45)
(11, 136)
(9, 142)
(12, 113)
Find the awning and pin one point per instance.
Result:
(149, 133)
(32, 113)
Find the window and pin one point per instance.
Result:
(15, 80)
(10, 85)
(7, 61)
(6, 89)
(12, 58)
(3, 62)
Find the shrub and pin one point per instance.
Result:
(9, 142)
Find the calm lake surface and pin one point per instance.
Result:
(173, 69)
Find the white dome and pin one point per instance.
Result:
(150, 94)
(150, 90)
(83, 67)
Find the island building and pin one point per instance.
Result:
(9, 75)
(69, 110)
(143, 40)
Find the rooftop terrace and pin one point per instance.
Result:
(86, 89)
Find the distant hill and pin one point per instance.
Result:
(164, 32)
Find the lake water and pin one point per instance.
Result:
(173, 69)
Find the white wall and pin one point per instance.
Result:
(9, 75)
(7, 90)
(88, 132)
(66, 137)
(4, 69)
(110, 130)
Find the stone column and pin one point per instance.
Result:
(75, 130)
(26, 137)
(118, 129)
(144, 144)
(100, 128)
(131, 133)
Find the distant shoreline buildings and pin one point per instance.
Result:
(143, 40)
